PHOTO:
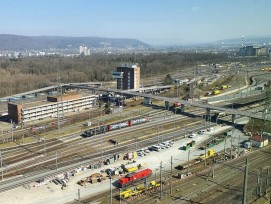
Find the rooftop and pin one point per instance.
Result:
(129, 65)
(258, 138)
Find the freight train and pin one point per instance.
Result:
(133, 177)
(115, 126)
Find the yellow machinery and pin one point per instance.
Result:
(209, 154)
(139, 189)
(222, 87)
(216, 92)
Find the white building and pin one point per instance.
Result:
(51, 108)
(258, 141)
(83, 50)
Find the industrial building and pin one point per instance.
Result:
(130, 77)
(55, 105)
(253, 51)
(247, 51)
(258, 141)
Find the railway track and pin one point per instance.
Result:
(225, 187)
(24, 161)
(75, 151)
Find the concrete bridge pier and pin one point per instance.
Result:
(147, 101)
(233, 118)
(182, 108)
(208, 114)
(166, 104)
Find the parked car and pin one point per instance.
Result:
(166, 144)
(192, 135)
(201, 132)
(211, 129)
(155, 148)
(141, 154)
(162, 146)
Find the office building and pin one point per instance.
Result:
(130, 77)
(247, 51)
(84, 50)
(59, 104)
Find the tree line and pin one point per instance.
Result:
(26, 74)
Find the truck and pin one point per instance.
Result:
(216, 92)
(209, 154)
(222, 87)
(131, 169)
(133, 177)
(177, 104)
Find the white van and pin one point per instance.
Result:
(155, 148)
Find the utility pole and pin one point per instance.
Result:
(205, 154)
(78, 193)
(266, 182)
(110, 189)
(238, 145)
(244, 200)
(1, 166)
(22, 121)
(58, 121)
(44, 148)
(161, 186)
(231, 149)
(56, 163)
(225, 149)
(119, 194)
(213, 169)
(171, 164)
(11, 123)
(188, 161)
(258, 186)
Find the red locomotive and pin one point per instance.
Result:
(133, 177)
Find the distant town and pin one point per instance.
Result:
(235, 47)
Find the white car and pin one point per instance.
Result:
(166, 144)
(211, 129)
(192, 135)
(141, 154)
(162, 146)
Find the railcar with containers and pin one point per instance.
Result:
(115, 126)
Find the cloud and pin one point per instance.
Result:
(195, 8)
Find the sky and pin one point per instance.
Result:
(156, 22)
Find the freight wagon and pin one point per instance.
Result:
(115, 126)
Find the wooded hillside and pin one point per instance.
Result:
(18, 76)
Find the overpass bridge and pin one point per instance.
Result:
(48, 89)
(208, 107)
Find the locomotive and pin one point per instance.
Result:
(133, 177)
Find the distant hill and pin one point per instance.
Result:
(22, 43)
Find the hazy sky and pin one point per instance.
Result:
(152, 21)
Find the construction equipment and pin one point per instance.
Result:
(216, 92)
(209, 154)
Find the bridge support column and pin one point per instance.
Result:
(182, 108)
(208, 113)
(233, 117)
(147, 101)
(166, 104)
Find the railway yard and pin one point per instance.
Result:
(61, 169)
